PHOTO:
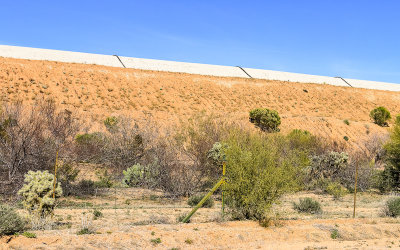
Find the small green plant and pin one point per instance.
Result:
(153, 233)
(266, 119)
(336, 189)
(346, 138)
(392, 207)
(155, 241)
(189, 241)
(29, 235)
(133, 175)
(85, 231)
(37, 193)
(335, 234)
(195, 199)
(346, 122)
(380, 115)
(111, 123)
(105, 179)
(97, 214)
(308, 205)
(10, 221)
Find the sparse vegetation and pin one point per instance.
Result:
(156, 241)
(346, 122)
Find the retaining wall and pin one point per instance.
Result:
(191, 68)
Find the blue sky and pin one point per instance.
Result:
(349, 38)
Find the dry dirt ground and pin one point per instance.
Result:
(98, 91)
(132, 218)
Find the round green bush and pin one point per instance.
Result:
(308, 205)
(195, 199)
(10, 221)
(380, 115)
(266, 119)
(392, 207)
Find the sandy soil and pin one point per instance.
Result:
(132, 223)
(98, 91)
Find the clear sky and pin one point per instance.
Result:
(349, 38)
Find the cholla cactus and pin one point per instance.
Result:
(38, 193)
(217, 153)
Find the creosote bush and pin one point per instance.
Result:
(308, 205)
(37, 193)
(390, 177)
(195, 199)
(10, 221)
(380, 115)
(266, 119)
(392, 207)
(261, 168)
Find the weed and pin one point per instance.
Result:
(97, 214)
(335, 234)
(153, 233)
(189, 241)
(84, 231)
(346, 122)
(155, 241)
(29, 235)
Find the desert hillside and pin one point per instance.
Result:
(98, 91)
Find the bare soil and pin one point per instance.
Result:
(96, 92)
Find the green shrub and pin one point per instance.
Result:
(156, 241)
(391, 174)
(66, 175)
(380, 116)
(336, 189)
(397, 122)
(392, 207)
(308, 205)
(37, 193)
(97, 214)
(10, 221)
(346, 138)
(346, 122)
(195, 199)
(266, 119)
(111, 123)
(133, 175)
(335, 234)
(260, 169)
(105, 179)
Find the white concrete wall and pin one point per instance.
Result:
(58, 55)
(192, 68)
(294, 77)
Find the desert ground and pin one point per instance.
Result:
(135, 218)
(132, 218)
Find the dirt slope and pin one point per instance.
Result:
(98, 91)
